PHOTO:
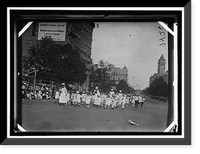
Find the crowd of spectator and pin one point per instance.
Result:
(37, 91)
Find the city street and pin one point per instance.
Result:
(45, 115)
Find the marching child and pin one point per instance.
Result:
(133, 101)
(136, 101)
(78, 98)
(127, 100)
(140, 99)
(120, 98)
(99, 101)
(56, 96)
(103, 99)
(123, 101)
(114, 102)
(108, 102)
(96, 100)
(93, 99)
(74, 98)
(142, 102)
(83, 96)
(68, 98)
(88, 99)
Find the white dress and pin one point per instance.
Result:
(83, 97)
(78, 98)
(88, 99)
(57, 95)
(108, 102)
(63, 96)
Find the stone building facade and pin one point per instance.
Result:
(116, 74)
(78, 34)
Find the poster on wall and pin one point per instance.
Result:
(56, 30)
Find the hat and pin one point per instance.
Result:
(96, 87)
(63, 83)
(120, 91)
(77, 92)
(112, 89)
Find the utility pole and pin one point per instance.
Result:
(35, 71)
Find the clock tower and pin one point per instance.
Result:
(161, 65)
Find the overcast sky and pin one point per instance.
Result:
(136, 45)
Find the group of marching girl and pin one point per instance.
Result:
(96, 99)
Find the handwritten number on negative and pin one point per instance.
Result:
(163, 36)
(162, 44)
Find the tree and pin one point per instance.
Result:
(122, 85)
(56, 62)
(158, 88)
(100, 76)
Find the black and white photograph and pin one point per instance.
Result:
(95, 76)
(97, 73)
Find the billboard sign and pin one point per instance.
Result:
(56, 30)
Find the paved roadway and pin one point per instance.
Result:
(45, 115)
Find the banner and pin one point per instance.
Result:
(57, 30)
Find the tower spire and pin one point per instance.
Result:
(162, 57)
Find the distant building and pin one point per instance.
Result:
(161, 71)
(78, 34)
(116, 74)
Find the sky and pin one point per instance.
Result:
(136, 45)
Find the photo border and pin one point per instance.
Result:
(77, 140)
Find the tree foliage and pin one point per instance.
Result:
(100, 76)
(158, 88)
(56, 62)
(122, 85)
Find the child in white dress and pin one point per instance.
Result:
(83, 96)
(114, 103)
(108, 102)
(120, 98)
(78, 98)
(68, 99)
(57, 96)
(88, 99)
(133, 101)
(123, 101)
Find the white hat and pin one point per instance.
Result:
(77, 92)
(120, 91)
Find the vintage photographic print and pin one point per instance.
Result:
(95, 76)
(96, 73)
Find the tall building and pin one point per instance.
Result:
(116, 74)
(78, 34)
(161, 65)
(161, 71)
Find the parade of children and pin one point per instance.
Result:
(97, 99)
